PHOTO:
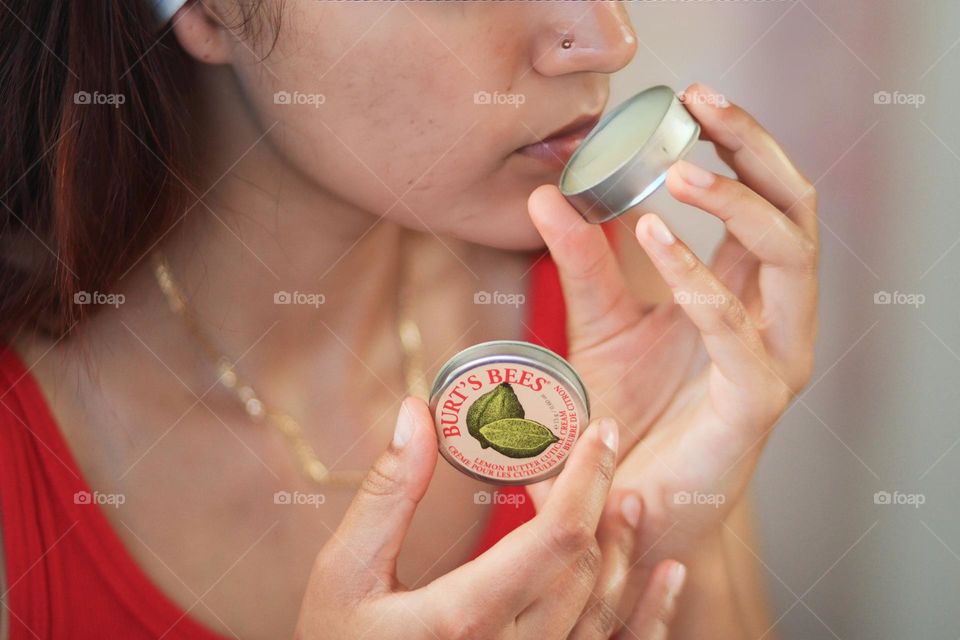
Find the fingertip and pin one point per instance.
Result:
(673, 172)
(642, 228)
(550, 211)
(676, 577)
(540, 198)
(415, 430)
(654, 228)
(609, 433)
(631, 508)
(405, 427)
(707, 96)
(544, 190)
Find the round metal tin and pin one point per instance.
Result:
(494, 380)
(656, 130)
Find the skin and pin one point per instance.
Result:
(535, 580)
(296, 198)
(696, 429)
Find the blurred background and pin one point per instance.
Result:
(858, 489)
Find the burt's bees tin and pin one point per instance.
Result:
(508, 412)
(625, 158)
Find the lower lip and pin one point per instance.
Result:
(556, 152)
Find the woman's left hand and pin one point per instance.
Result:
(693, 428)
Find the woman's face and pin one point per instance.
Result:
(418, 111)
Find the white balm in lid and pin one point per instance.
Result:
(626, 156)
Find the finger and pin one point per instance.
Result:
(586, 596)
(656, 610)
(597, 300)
(734, 265)
(556, 610)
(538, 492)
(365, 545)
(618, 539)
(787, 277)
(754, 155)
(753, 220)
(788, 282)
(729, 335)
(522, 564)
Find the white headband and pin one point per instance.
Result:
(166, 8)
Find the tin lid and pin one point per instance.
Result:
(626, 156)
(508, 412)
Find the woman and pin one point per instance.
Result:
(204, 235)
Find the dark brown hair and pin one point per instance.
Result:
(95, 145)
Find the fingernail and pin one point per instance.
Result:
(675, 580)
(694, 175)
(608, 433)
(713, 97)
(404, 428)
(630, 508)
(660, 231)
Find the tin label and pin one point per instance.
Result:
(507, 423)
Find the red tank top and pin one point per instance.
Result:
(68, 573)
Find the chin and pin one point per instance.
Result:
(515, 242)
(512, 230)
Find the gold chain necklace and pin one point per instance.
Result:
(258, 411)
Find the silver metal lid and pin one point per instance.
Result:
(509, 351)
(626, 156)
(561, 407)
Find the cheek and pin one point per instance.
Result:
(394, 117)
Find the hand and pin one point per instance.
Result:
(696, 410)
(535, 582)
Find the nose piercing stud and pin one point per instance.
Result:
(566, 43)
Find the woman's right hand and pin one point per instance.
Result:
(549, 578)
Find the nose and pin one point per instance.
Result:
(583, 36)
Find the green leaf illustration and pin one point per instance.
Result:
(501, 402)
(517, 437)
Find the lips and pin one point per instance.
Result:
(556, 149)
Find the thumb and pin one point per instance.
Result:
(365, 546)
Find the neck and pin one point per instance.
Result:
(278, 273)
